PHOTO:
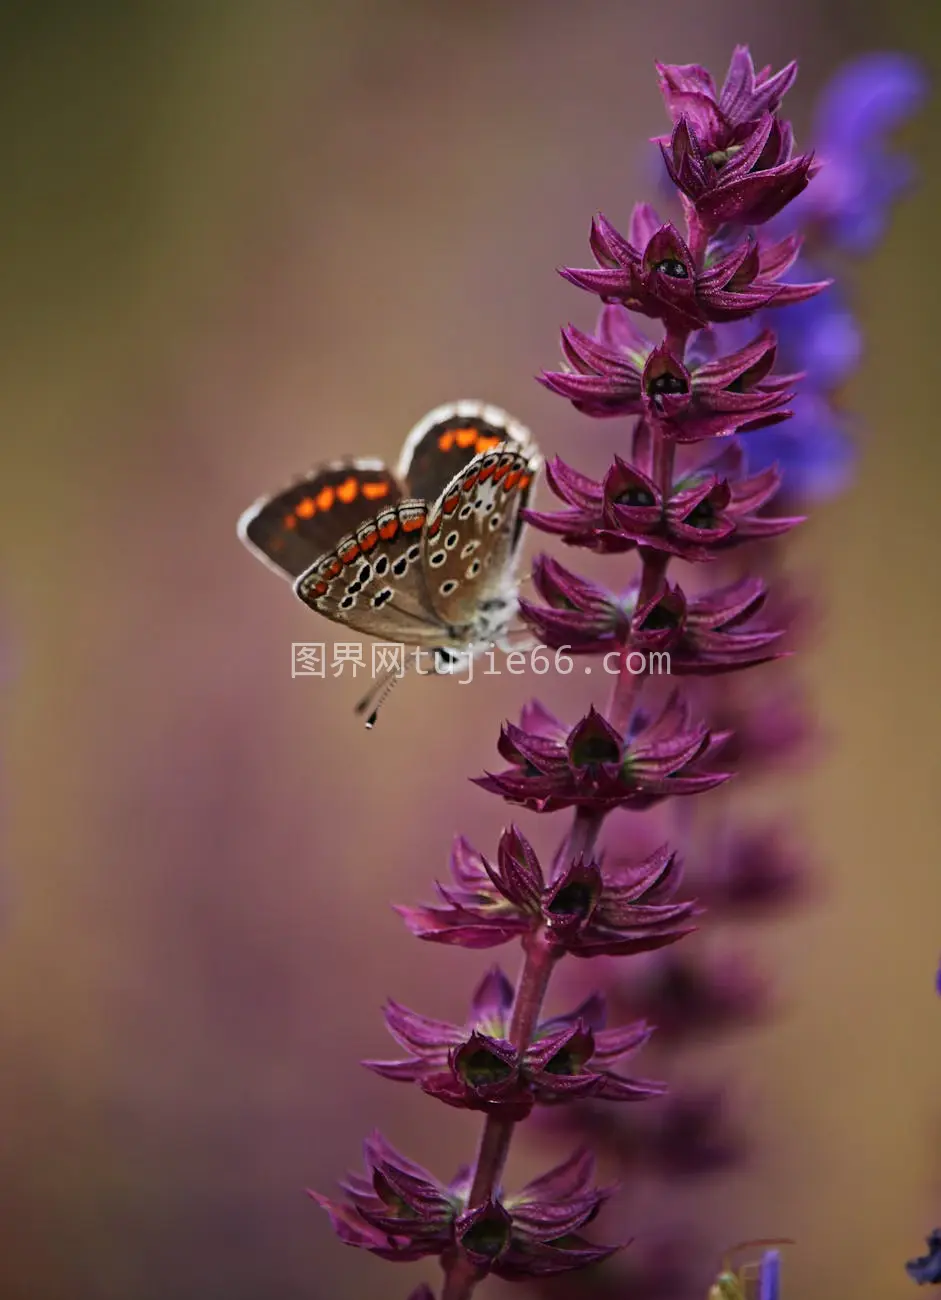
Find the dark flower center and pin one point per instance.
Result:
(673, 267)
(703, 516)
(482, 1068)
(665, 383)
(636, 497)
(595, 749)
(576, 899)
(565, 1062)
(660, 619)
(487, 1237)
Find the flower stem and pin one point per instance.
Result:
(461, 1276)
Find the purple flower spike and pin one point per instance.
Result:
(731, 395)
(588, 910)
(476, 1068)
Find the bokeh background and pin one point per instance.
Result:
(237, 238)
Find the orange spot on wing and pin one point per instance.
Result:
(320, 589)
(525, 482)
(347, 490)
(305, 509)
(325, 498)
(289, 521)
(486, 443)
(500, 470)
(334, 569)
(434, 528)
(465, 437)
(368, 540)
(446, 441)
(375, 491)
(389, 529)
(450, 503)
(411, 522)
(512, 479)
(349, 553)
(470, 482)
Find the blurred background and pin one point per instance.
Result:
(237, 238)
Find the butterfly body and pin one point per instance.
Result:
(424, 556)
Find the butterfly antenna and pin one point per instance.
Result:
(377, 695)
(383, 696)
(376, 689)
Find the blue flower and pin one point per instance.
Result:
(769, 1276)
(815, 450)
(861, 178)
(818, 337)
(927, 1268)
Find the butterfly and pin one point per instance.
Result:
(424, 556)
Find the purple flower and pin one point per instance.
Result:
(707, 634)
(729, 153)
(927, 1268)
(689, 91)
(588, 911)
(653, 273)
(477, 1068)
(593, 766)
(617, 371)
(685, 996)
(753, 872)
(687, 1133)
(704, 635)
(710, 509)
(400, 1212)
(579, 615)
(748, 181)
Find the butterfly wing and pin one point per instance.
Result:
(447, 440)
(292, 529)
(473, 533)
(373, 580)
